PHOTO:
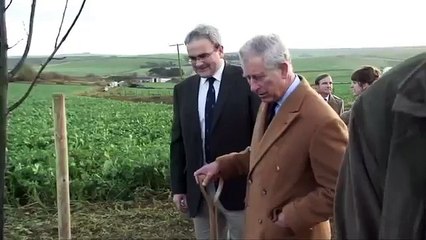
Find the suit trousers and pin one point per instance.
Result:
(230, 223)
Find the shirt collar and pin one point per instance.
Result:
(218, 74)
(327, 98)
(290, 89)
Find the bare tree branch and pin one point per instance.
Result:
(22, 99)
(14, 45)
(27, 47)
(25, 29)
(8, 5)
(62, 23)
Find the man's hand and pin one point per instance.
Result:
(207, 173)
(180, 202)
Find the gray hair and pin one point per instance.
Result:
(204, 31)
(269, 47)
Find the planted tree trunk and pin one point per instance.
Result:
(3, 108)
(4, 80)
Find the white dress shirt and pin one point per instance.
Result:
(202, 95)
(327, 98)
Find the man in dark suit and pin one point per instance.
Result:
(214, 113)
(324, 85)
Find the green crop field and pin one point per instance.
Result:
(114, 147)
(41, 91)
(118, 152)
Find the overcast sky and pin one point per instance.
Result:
(150, 26)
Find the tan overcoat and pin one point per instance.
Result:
(292, 167)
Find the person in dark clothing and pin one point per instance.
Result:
(214, 113)
(381, 190)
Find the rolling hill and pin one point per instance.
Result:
(309, 61)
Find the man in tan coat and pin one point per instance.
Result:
(293, 161)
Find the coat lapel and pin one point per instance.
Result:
(193, 114)
(225, 89)
(333, 103)
(264, 139)
(259, 127)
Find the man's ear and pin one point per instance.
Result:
(284, 69)
(220, 50)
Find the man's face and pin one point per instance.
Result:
(204, 56)
(269, 85)
(325, 86)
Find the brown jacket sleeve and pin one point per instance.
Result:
(326, 151)
(234, 164)
(342, 106)
(345, 117)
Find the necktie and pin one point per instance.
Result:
(271, 112)
(208, 118)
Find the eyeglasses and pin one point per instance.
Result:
(201, 57)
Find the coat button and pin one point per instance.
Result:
(278, 168)
(249, 181)
(264, 192)
(259, 221)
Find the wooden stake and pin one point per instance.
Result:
(62, 178)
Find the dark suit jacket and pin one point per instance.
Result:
(234, 118)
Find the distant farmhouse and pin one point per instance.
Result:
(132, 81)
(144, 79)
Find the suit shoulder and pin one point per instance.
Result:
(186, 81)
(234, 68)
(337, 98)
(235, 73)
(316, 108)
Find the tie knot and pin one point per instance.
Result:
(211, 80)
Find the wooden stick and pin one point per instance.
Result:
(62, 178)
(211, 204)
